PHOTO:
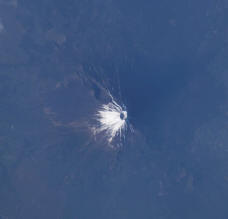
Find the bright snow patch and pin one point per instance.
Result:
(111, 120)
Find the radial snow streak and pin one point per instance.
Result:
(111, 120)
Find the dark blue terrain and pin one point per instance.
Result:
(167, 61)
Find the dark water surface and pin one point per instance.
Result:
(165, 60)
